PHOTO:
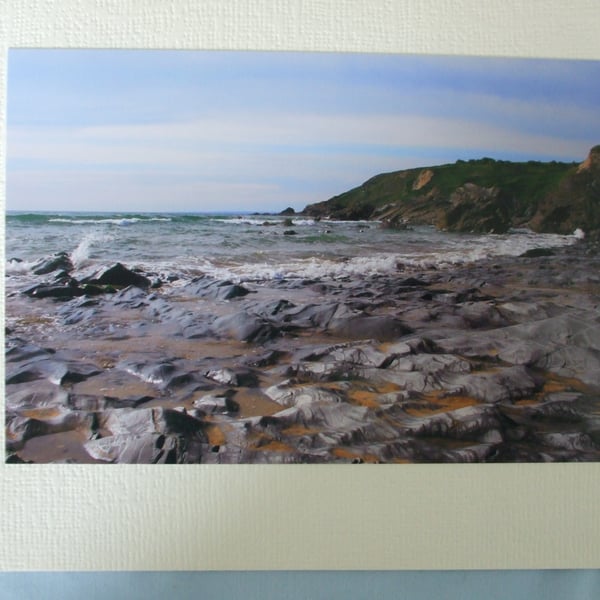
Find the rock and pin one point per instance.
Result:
(63, 292)
(119, 276)
(19, 429)
(34, 394)
(147, 448)
(59, 262)
(357, 327)
(537, 252)
(55, 371)
(211, 404)
(140, 421)
(234, 377)
(207, 287)
(574, 441)
(165, 374)
(244, 327)
(131, 296)
(152, 435)
(287, 395)
(468, 423)
(503, 385)
(226, 376)
(288, 212)
(268, 359)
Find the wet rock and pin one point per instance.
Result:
(147, 448)
(225, 376)
(287, 394)
(165, 374)
(211, 404)
(148, 420)
(268, 359)
(574, 441)
(91, 403)
(245, 327)
(17, 352)
(234, 377)
(562, 407)
(503, 385)
(469, 423)
(479, 315)
(119, 276)
(537, 252)
(152, 435)
(59, 262)
(312, 315)
(63, 292)
(207, 287)
(19, 428)
(381, 328)
(429, 363)
(131, 296)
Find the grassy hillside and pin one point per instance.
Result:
(478, 195)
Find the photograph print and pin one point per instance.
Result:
(285, 258)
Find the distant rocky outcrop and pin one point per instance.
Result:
(485, 196)
(575, 203)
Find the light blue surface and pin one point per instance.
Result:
(449, 585)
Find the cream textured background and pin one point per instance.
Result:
(300, 517)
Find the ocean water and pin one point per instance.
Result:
(246, 247)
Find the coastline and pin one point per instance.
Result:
(493, 361)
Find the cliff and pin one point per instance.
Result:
(484, 195)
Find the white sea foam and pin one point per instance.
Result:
(81, 254)
(19, 267)
(264, 219)
(107, 221)
(145, 378)
(219, 247)
(454, 251)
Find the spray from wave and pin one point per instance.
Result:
(80, 256)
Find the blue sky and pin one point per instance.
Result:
(208, 131)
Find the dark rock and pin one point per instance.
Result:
(537, 252)
(63, 292)
(119, 276)
(19, 429)
(152, 435)
(131, 296)
(507, 384)
(217, 404)
(470, 423)
(235, 377)
(165, 374)
(382, 328)
(146, 448)
(54, 370)
(245, 327)
(148, 420)
(266, 360)
(206, 287)
(59, 261)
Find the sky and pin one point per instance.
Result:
(195, 131)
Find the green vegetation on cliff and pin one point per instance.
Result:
(484, 195)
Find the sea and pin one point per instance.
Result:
(247, 247)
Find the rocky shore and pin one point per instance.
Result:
(494, 361)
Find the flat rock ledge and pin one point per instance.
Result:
(498, 361)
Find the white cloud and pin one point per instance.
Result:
(269, 160)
